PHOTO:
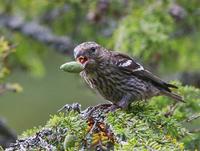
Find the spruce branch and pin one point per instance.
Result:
(140, 128)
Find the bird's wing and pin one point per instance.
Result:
(128, 64)
(125, 62)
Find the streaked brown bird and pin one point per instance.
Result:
(118, 77)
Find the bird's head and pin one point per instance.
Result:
(88, 54)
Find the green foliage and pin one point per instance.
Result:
(5, 51)
(144, 126)
(64, 127)
(30, 132)
(184, 110)
(77, 26)
(75, 125)
(150, 33)
(184, 113)
(145, 29)
(145, 129)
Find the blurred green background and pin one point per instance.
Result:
(163, 35)
(45, 95)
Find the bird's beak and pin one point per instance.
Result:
(82, 59)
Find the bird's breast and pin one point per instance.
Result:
(106, 82)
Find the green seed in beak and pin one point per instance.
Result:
(73, 67)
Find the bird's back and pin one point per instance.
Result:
(113, 84)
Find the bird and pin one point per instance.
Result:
(118, 77)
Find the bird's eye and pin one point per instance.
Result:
(93, 49)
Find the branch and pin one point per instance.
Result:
(51, 14)
(193, 117)
(197, 130)
(34, 30)
(171, 110)
(10, 87)
(186, 78)
(6, 135)
(94, 129)
(190, 78)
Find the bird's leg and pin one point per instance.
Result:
(123, 103)
(90, 110)
(112, 108)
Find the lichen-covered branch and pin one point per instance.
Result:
(143, 126)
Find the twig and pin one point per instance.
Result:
(172, 108)
(193, 117)
(195, 130)
(10, 87)
(33, 29)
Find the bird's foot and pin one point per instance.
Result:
(92, 111)
(71, 107)
(112, 108)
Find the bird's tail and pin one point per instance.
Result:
(174, 96)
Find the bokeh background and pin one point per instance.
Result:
(39, 35)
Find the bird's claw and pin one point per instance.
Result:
(112, 108)
(71, 107)
(92, 111)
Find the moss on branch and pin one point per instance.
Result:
(145, 126)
